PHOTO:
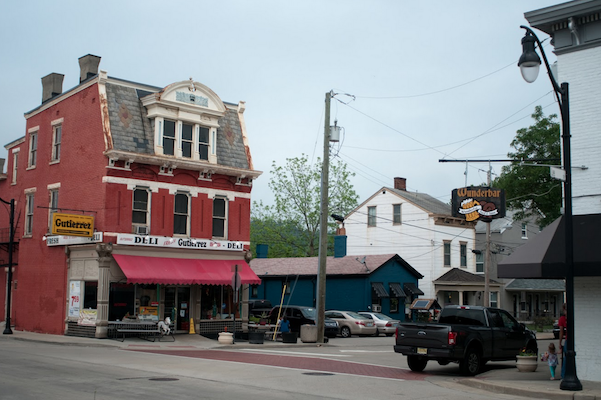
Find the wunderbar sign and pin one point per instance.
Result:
(72, 225)
(478, 203)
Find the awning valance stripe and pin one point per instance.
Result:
(413, 289)
(397, 290)
(378, 287)
(183, 271)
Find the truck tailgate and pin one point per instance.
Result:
(429, 336)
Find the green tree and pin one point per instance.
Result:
(530, 190)
(290, 227)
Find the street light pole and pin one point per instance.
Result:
(529, 64)
(9, 280)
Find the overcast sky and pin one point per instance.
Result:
(415, 81)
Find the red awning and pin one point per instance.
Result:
(183, 271)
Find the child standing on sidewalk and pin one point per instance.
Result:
(551, 358)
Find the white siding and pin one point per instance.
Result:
(581, 70)
(417, 239)
(587, 313)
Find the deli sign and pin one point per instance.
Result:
(478, 203)
(72, 225)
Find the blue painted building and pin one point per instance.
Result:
(385, 282)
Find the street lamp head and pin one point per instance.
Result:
(529, 62)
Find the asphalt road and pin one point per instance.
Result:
(352, 368)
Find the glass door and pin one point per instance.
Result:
(177, 306)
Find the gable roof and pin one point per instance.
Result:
(348, 265)
(424, 201)
(459, 275)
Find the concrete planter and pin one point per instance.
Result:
(308, 333)
(526, 363)
(225, 338)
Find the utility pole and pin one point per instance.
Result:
(323, 225)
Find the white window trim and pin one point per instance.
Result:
(375, 216)
(480, 263)
(400, 214)
(158, 134)
(33, 131)
(28, 192)
(56, 123)
(225, 216)
(52, 210)
(148, 206)
(15, 165)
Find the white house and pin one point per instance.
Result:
(422, 230)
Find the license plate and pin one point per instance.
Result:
(422, 350)
(370, 324)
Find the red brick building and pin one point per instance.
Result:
(166, 174)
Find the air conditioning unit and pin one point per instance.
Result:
(141, 230)
(376, 308)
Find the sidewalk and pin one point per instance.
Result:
(532, 384)
(503, 379)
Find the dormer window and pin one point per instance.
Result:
(203, 143)
(185, 118)
(169, 137)
(185, 140)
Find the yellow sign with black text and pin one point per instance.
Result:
(72, 225)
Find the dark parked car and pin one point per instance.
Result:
(301, 315)
(556, 330)
(258, 307)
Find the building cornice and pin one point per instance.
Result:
(172, 163)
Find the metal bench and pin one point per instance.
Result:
(145, 331)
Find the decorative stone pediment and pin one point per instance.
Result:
(186, 96)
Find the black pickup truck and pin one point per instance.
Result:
(469, 335)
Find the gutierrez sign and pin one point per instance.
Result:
(72, 225)
(475, 203)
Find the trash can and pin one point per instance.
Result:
(308, 333)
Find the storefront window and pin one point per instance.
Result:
(217, 302)
(90, 295)
(147, 306)
(121, 301)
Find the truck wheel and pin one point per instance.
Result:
(472, 362)
(345, 332)
(416, 363)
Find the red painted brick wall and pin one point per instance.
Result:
(40, 299)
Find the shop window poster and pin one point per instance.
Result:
(74, 298)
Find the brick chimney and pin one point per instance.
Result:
(88, 66)
(52, 86)
(400, 184)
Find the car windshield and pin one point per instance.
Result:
(355, 315)
(383, 316)
(308, 312)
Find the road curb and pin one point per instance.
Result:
(509, 387)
